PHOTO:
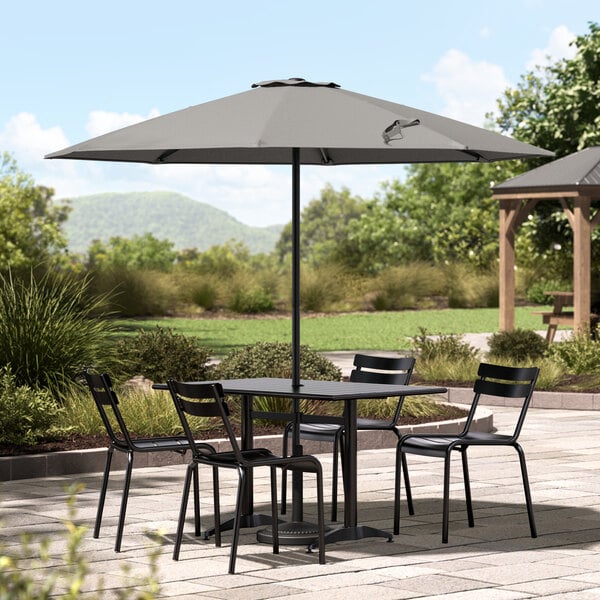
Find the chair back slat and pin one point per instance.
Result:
(504, 382)
(107, 403)
(202, 400)
(384, 370)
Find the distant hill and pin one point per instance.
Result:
(166, 215)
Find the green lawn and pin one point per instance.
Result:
(355, 331)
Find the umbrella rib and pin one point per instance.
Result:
(163, 157)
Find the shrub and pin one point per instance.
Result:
(204, 294)
(251, 300)
(135, 293)
(160, 354)
(447, 347)
(399, 288)
(50, 329)
(471, 289)
(536, 291)
(274, 359)
(26, 415)
(517, 345)
(579, 355)
(320, 288)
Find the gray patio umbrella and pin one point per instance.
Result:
(297, 122)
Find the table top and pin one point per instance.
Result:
(318, 390)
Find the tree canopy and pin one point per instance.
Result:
(30, 224)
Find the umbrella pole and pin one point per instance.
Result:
(296, 267)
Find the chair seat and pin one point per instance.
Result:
(319, 431)
(151, 444)
(374, 424)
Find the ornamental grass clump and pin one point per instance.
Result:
(51, 327)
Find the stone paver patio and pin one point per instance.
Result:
(495, 560)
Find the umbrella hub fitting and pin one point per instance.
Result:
(297, 81)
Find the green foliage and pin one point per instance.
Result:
(325, 223)
(139, 252)
(274, 359)
(518, 345)
(402, 287)
(26, 415)
(160, 353)
(203, 292)
(30, 224)
(558, 106)
(448, 347)
(536, 291)
(322, 287)
(64, 578)
(135, 293)
(147, 413)
(579, 355)
(468, 288)
(50, 329)
(443, 213)
(224, 260)
(250, 301)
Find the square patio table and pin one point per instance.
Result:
(297, 532)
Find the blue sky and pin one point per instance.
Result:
(74, 69)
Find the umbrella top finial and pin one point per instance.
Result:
(298, 81)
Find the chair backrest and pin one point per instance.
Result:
(107, 404)
(384, 370)
(504, 382)
(202, 400)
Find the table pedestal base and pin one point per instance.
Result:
(253, 520)
(345, 534)
(291, 534)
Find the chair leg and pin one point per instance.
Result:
(109, 455)
(217, 508)
(284, 453)
(237, 518)
(409, 500)
(527, 490)
(446, 505)
(197, 528)
(274, 517)
(124, 499)
(337, 447)
(321, 516)
(400, 458)
(182, 510)
(465, 465)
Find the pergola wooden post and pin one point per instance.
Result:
(574, 181)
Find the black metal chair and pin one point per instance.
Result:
(368, 369)
(207, 400)
(494, 380)
(121, 440)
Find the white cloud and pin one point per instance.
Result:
(101, 121)
(468, 88)
(558, 47)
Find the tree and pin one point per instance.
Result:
(30, 224)
(325, 222)
(442, 213)
(557, 107)
(139, 252)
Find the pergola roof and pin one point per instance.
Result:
(579, 172)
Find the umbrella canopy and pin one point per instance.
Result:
(297, 122)
(329, 125)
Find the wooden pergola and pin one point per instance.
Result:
(574, 181)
